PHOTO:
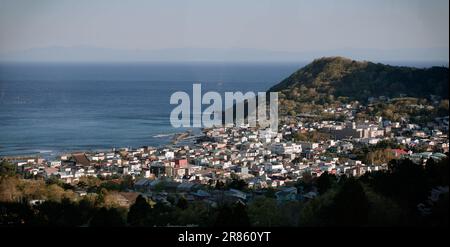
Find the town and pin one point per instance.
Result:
(255, 160)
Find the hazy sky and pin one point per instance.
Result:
(273, 25)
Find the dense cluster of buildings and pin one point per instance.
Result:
(261, 158)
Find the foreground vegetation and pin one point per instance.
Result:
(396, 197)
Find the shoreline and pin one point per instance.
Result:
(175, 139)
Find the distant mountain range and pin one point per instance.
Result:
(339, 76)
(96, 54)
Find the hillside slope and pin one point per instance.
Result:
(359, 80)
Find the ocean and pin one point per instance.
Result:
(52, 108)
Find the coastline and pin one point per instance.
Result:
(176, 138)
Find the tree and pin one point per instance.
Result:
(224, 216)
(33, 189)
(8, 189)
(54, 213)
(237, 184)
(100, 200)
(439, 212)
(182, 203)
(325, 181)
(382, 210)
(127, 182)
(107, 217)
(161, 215)
(437, 172)
(15, 213)
(270, 193)
(379, 156)
(139, 213)
(197, 213)
(219, 185)
(55, 193)
(265, 212)
(306, 178)
(7, 168)
(87, 208)
(235, 215)
(407, 183)
(351, 206)
(240, 215)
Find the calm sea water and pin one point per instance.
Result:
(52, 108)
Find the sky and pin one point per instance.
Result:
(286, 25)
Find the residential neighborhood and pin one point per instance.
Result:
(261, 158)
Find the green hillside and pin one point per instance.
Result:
(359, 80)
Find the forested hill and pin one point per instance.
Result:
(337, 76)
